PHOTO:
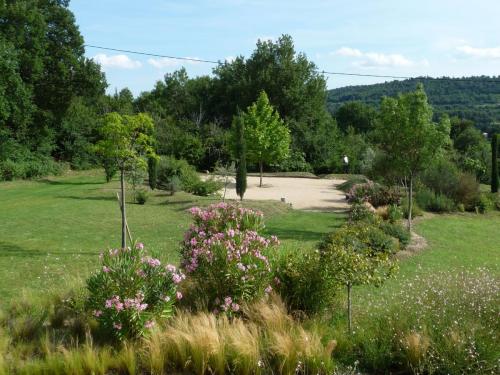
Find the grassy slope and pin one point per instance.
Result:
(52, 230)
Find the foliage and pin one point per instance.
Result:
(130, 291)
(225, 257)
(415, 211)
(394, 213)
(494, 163)
(351, 181)
(396, 230)
(442, 176)
(295, 162)
(141, 196)
(358, 254)
(303, 283)
(241, 156)
(29, 166)
(209, 186)
(472, 98)
(43, 73)
(408, 137)
(170, 168)
(434, 202)
(153, 172)
(485, 203)
(376, 194)
(440, 323)
(467, 191)
(357, 115)
(267, 138)
(360, 212)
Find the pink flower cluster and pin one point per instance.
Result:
(128, 303)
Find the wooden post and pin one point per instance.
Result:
(126, 224)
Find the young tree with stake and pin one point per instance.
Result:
(494, 163)
(408, 137)
(127, 142)
(241, 156)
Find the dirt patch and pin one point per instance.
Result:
(301, 193)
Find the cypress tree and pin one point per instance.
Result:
(152, 172)
(241, 150)
(494, 163)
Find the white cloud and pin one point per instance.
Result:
(484, 53)
(165, 62)
(117, 61)
(376, 59)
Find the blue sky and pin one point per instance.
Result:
(388, 37)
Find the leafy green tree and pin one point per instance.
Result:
(408, 137)
(241, 156)
(126, 141)
(294, 86)
(494, 163)
(356, 115)
(349, 259)
(266, 135)
(52, 66)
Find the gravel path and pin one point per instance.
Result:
(302, 193)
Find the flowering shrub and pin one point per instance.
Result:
(376, 194)
(130, 290)
(225, 256)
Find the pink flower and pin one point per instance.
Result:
(170, 268)
(97, 313)
(117, 326)
(178, 295)
(235, 307)
(269, 289)
(176, 278)
(149, 324)
(139, 246)
(105, 269)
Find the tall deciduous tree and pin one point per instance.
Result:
(127, 142)
(266, 135)
(408, 137)
(494, 163)
(241, 156)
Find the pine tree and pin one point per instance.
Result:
(241, 170)
(494, 163)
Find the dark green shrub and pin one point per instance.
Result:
(296, 162)
(397, 231)
(442, 177)
(484, 203)
(110, 169)
(301, 281)
(10, 170)
(169, 167)
(416, 210)
(141, 196)
(494, 163)
(208, 187)
(379, 241)
(152, 172)
(467, 191)
(173, 185)
(430, 201)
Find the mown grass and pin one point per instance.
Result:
(53, 229)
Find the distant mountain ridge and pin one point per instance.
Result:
(473, 98)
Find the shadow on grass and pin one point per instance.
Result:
(9, 249)
(299, 234)
(54, 182)
(92, 198)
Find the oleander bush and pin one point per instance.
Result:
(131, 290)
(377, 195)
(226, 258)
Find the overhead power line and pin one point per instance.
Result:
(192, 59)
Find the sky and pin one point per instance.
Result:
(384, 37)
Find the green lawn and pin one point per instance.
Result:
(53, 229)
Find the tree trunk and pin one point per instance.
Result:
(349, 307)
(124, 220)
(410, 203)
(261, 172)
